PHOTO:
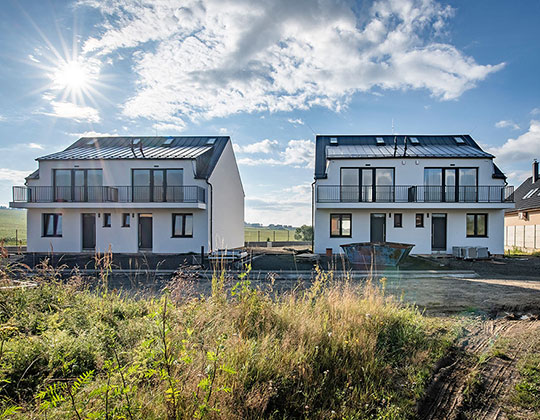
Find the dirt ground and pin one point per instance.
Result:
(478, 379)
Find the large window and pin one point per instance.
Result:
(52, 224)
(450, 184)
(158, 185)
(367, 184)
(182, 226)
(477, 225)
(340, 225)
(79, 185)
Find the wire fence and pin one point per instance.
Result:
(12, 237)
(271, 235)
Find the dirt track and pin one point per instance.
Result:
(476, 381)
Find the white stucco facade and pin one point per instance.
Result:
(217, 215)
(409, 171)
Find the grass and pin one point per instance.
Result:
(518, 252)
(333, 351)
(10, 221)
(252, 234)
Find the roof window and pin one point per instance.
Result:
(136, 142)
(530, 193)
(380, 141)
(211, 141)
(333, 140)
(459, 140)
(414, 140)
(168, 141)
(91, 142)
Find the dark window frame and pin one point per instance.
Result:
(183, 235)
(475, 224)
(151, 184)
(374, 180)
(457, 185)
(44, 221)
(72, 185)
(396, 224)
(422, 224)
(341, 215)
(105, 217)
(124, 224)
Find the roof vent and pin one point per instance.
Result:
(333, 140)
(459, 140)
(168, 141)
(414, 140)
(380, 141)
(211, 141)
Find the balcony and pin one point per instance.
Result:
(124, 194)
(414, 194)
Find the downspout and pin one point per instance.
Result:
(211, 205)
(313, 216)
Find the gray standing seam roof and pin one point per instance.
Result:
(366, 147)
(198, 148)
(532, 201)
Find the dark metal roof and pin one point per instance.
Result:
(204, 150)
(33, 175)
(367, 147)
(532, 201)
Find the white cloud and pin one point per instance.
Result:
(264, 146)
(297, 121)
(298, 154)
(75, 112)
(13, 175)
(535, 111)
(34, 146)
(2, 118)
(169, 128)
(214, 58)
(521, 149)
(507, 124)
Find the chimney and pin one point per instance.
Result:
(535, 174)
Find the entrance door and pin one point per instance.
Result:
(145, 231)
(438, 232)
(378, 227)
(89, 230)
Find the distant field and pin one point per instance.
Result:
(11, 221)
(252, 234)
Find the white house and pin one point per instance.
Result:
(156, 194)
(435, 192)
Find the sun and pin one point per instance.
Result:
(72, 76)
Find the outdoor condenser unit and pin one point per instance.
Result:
(482, 252)
(470, 253)
(457, 251)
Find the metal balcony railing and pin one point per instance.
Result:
(123, 194)
(414, 194)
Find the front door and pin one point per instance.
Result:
(378, 227)
(438, 232)
(145, 231)
(89, 230)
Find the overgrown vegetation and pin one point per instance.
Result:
(519, 252)
(333, 351)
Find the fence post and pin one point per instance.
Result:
(274, 236)
(258, 235)
(16, 237)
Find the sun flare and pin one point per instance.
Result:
(71, 75)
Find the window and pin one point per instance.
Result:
(106, 219)
(367, 184)
(380, 141)
(52, 225)
(158, 185)
(477, 225)
(340, 225)
(126, 219)
(78, 185)
(419, 220)
(414, 140)
(398, 220)
(182, 225)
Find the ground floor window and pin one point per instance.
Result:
(182, 225)
(340, 225)
(398, 220)
(52, 224)
(419, 220)
(477, 225)
(126, 220)
(106, 219)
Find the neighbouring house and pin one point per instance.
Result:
(435, 192)
(522, 223)
(164, 195)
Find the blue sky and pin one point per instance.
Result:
(270, 74)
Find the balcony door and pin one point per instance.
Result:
(78, 185)
(158, 185)
(367, 185)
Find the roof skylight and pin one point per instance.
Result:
(168, 141)
(414, 140)
(91, 142)
(211, 140)
(530, 193)
(136, 141)
(380, 141)
(459, 140)
(333, 140)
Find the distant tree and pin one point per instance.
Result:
(304, 233)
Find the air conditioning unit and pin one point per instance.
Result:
(482, 252)
(470, 253)
(457, 251)
(523, 215)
